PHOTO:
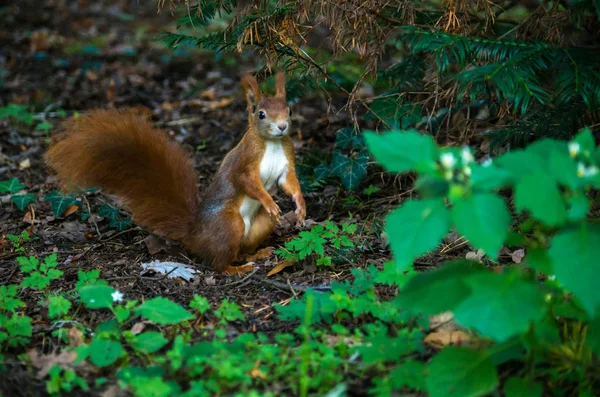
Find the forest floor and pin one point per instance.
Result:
(60, 60)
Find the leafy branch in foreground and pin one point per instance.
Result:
(551, 181)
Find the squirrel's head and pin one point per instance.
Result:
(270, 116)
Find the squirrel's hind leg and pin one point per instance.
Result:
(224, 239)
(260, 230)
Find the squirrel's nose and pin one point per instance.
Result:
(282, 126)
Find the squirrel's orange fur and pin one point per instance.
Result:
(123, 154)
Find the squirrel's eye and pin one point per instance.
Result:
(261, 115)
(290, 112)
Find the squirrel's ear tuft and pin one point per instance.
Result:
(250, 86)
(280, 85)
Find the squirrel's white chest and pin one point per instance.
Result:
(273, 165)
(273, 168)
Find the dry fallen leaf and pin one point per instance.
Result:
(29, 216)
(518, 255)
(24, 164)
(171, 269)
(155, 244)
(112, 391)
(138, 327)
(440, 339)
(75, 337)
(64, 359)
(210, 280)
(442, 321)
(282, 265)
(475, 256)
(261, 254)
(239, 270)
(70, 210)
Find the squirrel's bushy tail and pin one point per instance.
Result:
(123, 154)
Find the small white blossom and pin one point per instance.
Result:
(467, 170)
(591, 171)
(117, 296)
(580, 170)
(487, 162)
(574, 148)
(466, 155)
(448, 160)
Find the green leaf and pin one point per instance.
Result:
(403, 151)
(148, 342)
(538, 259)
(593, 335)
(564, 169)
(59, 202)
(574, 253)
(461, 372)
(343, 137)
(355, 172)
(500, 305)
(58, 306)
(104, 352)
(416, 228)
(321, 172)
(518, 387)
(436, 291)
(484, 220)
(521, 163)
(97, 296)
(539, 194)
(11, 186)
(23, 201)
(410, 374)
(487, 178)
(339, 164)
(579, 206)
(162, 311)
(585, 139)
(200, 303)
(122, 314)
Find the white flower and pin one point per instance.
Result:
(117, 296)
(467, 170)
(466, 155)
(448, 160)
(487, 162)
(574, 148)
(591, 171)
(581, 170)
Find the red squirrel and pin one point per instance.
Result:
(123, 154)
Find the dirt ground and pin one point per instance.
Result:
(75, 56)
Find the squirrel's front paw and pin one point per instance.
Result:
(300, 215)
(273, 210)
